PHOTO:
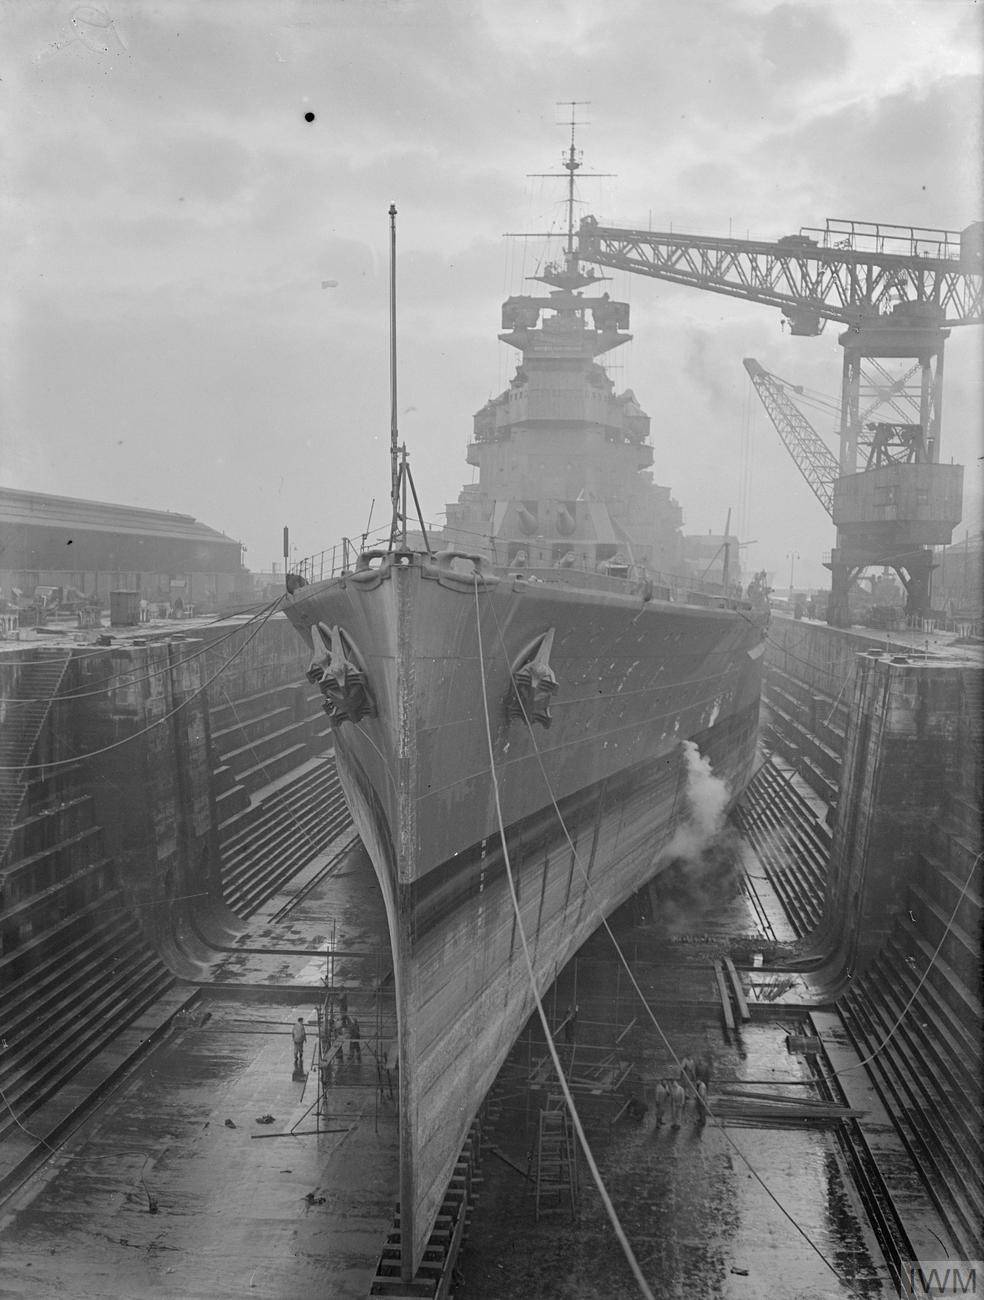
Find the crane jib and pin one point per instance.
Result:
(797, 273)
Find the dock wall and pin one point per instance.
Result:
(154, 794)
(909, 744)
(807, 697)
(897, 942)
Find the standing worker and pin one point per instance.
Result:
(660, 1095)
(300, 1038)
(355, 1038)
(701, 1100)
(678, 1099)
(571, 1024)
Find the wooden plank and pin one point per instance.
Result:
(729, 1018)
(630, 1025)
(780, 1097)
(512, 1163)
(739, 991)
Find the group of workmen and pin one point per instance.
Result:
(348, 1031)
(671, 1095)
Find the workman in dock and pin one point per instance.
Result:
(660, 1097)
(355, 1038)
(678, 1100)
(570, 1025)
(700, 1119)
(299, 1036)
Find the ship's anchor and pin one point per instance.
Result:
(342, 682)
(534, 683)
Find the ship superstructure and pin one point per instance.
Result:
(563, 459)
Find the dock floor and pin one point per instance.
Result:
(237, 1212)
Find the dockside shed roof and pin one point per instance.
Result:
(47, 511)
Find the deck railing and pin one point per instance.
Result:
(337, 560)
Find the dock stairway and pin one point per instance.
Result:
(75, 966)
(278, 797)
(556, 1160)
(791, 839)
(24, 716)
(915, 1017)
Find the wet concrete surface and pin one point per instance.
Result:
(156, 1195)
(700, 1222)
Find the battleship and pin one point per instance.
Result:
(511, 707)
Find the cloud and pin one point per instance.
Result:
(912, 157)
(171, 217)
(803, 43)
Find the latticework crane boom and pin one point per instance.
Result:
(814, 459)
(809, 282)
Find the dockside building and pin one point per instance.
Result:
(96, 547)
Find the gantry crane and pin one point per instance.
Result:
(899, 291)
(889, 515)
(814, 459)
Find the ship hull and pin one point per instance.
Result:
(635, 679)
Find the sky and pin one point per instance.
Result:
(195, 303)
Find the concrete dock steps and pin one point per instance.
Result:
(824, 715)
(963, 815)
(931, 1052)
(37, 906)
(960, 944)
(33, 874)
(956, 1035)
(950, 890)
(917, 1123)
(264, 846)
(927, 1083)
(316, 775)
(283, 762)
(797, 722)
(27, 697)
(226, 714)
(790, 749)
(791, 843)
(227, 739)
(260, 738)
(285, 734)
(97, 986)
(47, 823)
(925, 1043)
(905, 1218)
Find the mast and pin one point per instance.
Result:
(394, 432)
(571, 164)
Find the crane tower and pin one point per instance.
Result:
(890, 514)
(898, 291)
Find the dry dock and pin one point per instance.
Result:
(172, 904)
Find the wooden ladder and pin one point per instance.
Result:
(556, 1160)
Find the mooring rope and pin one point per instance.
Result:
(717, 1123)
(551, 1047)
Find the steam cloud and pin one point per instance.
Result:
(707, 800)
(697, 870)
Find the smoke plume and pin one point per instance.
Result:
(697, 878)
(707, 800)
